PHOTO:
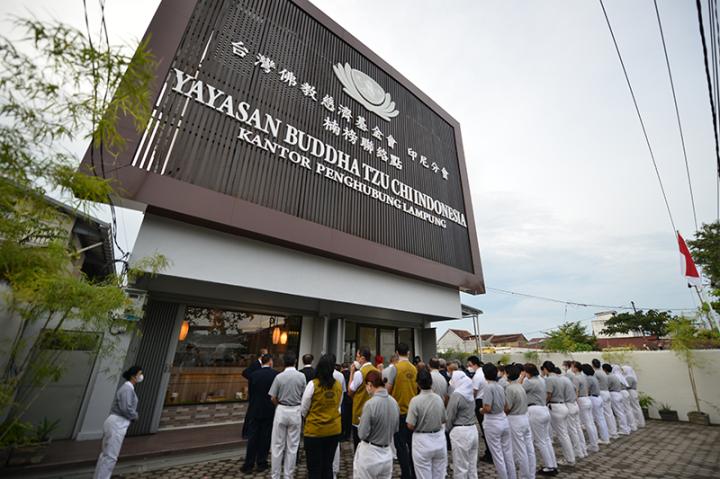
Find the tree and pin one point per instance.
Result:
(705, 249)
(569, 337)
(55, 83)
(650, 323)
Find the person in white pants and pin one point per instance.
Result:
(425, 418)
(539, 417)
(574, 428)
(379, 421)
(616, 400)
(629, 415)
(631, 379)
(516, 407)
(286, 393)
(605, 396)
(555, 399)
(497, 428)
(461, 425)
(122, 412)
(597, 404)
(585, 405)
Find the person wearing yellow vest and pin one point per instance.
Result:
(357, 390)
(320, 407)
(402, 385)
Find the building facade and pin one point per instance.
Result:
(308, 197)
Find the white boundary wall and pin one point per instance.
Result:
(661, 374)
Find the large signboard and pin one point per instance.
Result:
(272, 121)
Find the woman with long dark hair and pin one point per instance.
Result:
(122, 412)
(321, 408)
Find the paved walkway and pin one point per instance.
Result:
(661, 450)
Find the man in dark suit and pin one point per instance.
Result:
(307, 369)
(259, 416)
(247, 374)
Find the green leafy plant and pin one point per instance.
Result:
(650, 323)
(645, 400)
(44, 430)
(570, 337)
(504, 359)
(532, 357)
(665, 407)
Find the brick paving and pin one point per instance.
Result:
(661, 450)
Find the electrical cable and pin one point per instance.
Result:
(582, 305)
(677, 111)
(639, 115)
(709, 83)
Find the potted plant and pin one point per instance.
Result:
(686, 337)
(645, 401)
(31, 448)
(667, 414)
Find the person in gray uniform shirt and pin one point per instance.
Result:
(516, 407)
(497, 428)
(616, 400)
(425, 418)
(607, 402)
(574, 428)
(597, 404)
(558, 410)
(629, 416)
(379, 421)
(539, 417)
(631, 379)
(439, 383)
(586, 407)
(286, 393)
(461, 425)
(122, 412)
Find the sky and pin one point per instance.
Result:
(566, 201)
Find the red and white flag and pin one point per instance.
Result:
(687, 265)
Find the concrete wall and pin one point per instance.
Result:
(206, 255)
(661, 374)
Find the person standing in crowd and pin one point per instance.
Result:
(607, 402)
(497, 428)
(616, 400)
(574, 428)
(539, 418)
(122, 412)
(286, 393)
(516, 407)
(320, 407)
(260, 413)
(474, 367)
(439, 384)
(443, 369)
(357, 390)
(586, 407)
(307, 368)
(461, 425)
(343, 384)
(425, 418)
(502, 379)
(631, 379)
(597, 404)
(247, 373)
(346, 414)
(629, 416)
(378, 424)
(555, 398)
(389, 371)
(402, 384)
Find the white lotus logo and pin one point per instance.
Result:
(366, 90)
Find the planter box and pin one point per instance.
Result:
(26, 455)
(697, 417)
(669, 415)
(4, 455)
(646, 413)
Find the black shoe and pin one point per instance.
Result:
(246, 469)
(487, 459)
(546, 471)
(262, 467)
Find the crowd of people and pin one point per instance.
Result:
(417, 413)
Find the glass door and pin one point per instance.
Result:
(387, 344)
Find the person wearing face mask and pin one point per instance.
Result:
(379, 422)
(478, 382)
(122, 412)
(605, 396)
(461, 425)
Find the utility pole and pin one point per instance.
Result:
(633, 306)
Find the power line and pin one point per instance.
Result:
(639, 115)
(677, 110)
(709, 83)
(582, 305)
